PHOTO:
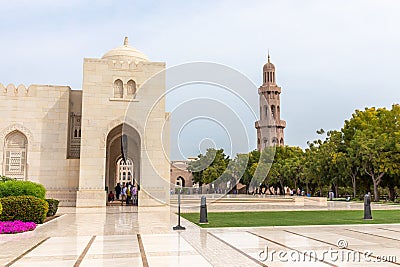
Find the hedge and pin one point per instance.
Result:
(53, 206)
(24, 208)
(21, 188)
(5, 178)
(1, 208)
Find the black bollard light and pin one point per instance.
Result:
(367, 207)
(203, 211)
(179, 226)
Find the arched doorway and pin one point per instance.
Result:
(116, 168)
(180, 181)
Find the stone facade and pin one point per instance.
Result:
(270, 127)
(70, 140)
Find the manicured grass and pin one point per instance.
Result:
(288, 218)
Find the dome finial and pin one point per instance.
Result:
(126, 41)
(268, 57)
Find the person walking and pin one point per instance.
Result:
(134, 195)
(128, 194)
(123, 194)
(117, 190)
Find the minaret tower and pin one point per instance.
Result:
(270, 127)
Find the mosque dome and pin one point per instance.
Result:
(125, 52)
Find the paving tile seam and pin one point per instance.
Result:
(381, 236)
(238, 250)
(335, 245)
(389, 230)
(290, 248)
(84, 252)
(26, 252)
(53, 257)
(142, 251)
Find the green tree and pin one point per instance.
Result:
(209, 167)
(372, 136)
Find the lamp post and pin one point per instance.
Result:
(179, 226)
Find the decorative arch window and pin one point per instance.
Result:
(74, 145)
(275, 140)
(281, 141)
(265, 142)
(125, 171)
(15, 149)
(118, 89)
(131, 88)
(266, 111)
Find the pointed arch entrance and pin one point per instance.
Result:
(116, 169)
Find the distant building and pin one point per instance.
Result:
(180, 176)
(270, 127)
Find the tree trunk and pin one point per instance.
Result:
(336, 191)
(376, 192)
(392, 193)
(353, 181)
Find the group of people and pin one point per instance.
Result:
(127, 192)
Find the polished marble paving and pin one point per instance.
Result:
(126, 236)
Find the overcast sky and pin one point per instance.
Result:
(332, 57)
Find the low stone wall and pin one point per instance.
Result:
(67, 198)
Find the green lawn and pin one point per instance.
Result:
(288, 218)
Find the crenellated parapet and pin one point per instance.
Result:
(12, 90)
(125, 64)
(33, 90)
(114, 64)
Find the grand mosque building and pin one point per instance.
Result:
(70, 140)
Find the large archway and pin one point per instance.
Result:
(115, 170)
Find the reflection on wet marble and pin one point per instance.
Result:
(120, 236)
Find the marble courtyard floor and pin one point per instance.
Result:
(122, 236)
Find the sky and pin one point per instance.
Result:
(331, 57)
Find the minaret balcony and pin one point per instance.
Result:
(269, 88)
